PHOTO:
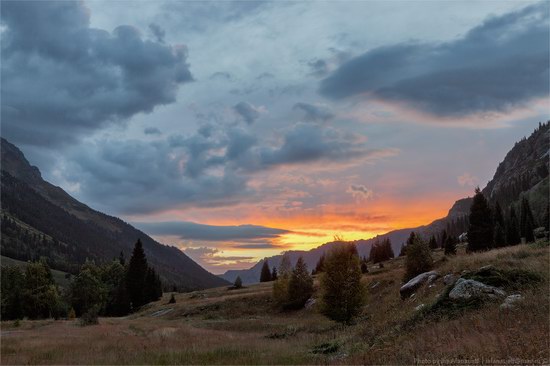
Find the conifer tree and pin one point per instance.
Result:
(480, 232)
(419, 257)
(274, 275)
(364, 267)
(135, 276)
(450, 246)
(443, 239)
(432, 243)
(512, 228)
(121, 258)
(300, 286)
(320, 263)
(499, 236)
(265, 275)
(343, 293)
(527, 222)
(403, 250)
(238, 282)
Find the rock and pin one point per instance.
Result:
(432, 278)
(419, 307)
(487, 268)
(310, 303)
(411, 286)
(510, 301)
(467, 289)
(448, 279)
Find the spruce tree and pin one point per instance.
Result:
(450, 246)
(480, 232)
(300, 286)
(443, 239)
(419, 257)
(499, 237)
(527, 222)
(135, 276)
(238, 282)
(403, 251)
(320, 263)
(512, 228)
(274, 275)
(343, 293)
(432, 243)
(265, 275)
(364, 267)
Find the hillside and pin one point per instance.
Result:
(524, 171)
(40, 219)
(221, 326)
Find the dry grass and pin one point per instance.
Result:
(219, 326)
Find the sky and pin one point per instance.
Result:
(236, 130)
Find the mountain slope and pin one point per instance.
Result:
(524, 171)
(40, 219)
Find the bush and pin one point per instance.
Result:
(71, 314)
(238, 282)
(172, 299)
(90, 317)
(343, 294)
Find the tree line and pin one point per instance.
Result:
(111, 289)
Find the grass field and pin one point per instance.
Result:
(221, 326)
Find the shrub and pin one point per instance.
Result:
(343, 294)
(71, 314)
(238, 282)
(90, 317)
(172, 299)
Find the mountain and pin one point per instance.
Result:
(524, 171)
(42, 220)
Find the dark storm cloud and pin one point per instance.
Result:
(501, 64)
(158, 32)
(314, 112)
(62, 79)
(247, 112)
(152, 131)
(193, 231)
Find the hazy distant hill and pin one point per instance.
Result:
(40, 219)
(524, 171)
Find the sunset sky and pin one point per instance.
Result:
(237, 130)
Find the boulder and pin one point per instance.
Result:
(411, 286)
(470, 289)
(510, 301)
(310, 303)
(432, 278)
(448, 279)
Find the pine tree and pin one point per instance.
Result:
(121, 258)
(419, 257)
(512, 228)
(285, 267)
(450, 246)
(498, 234)
(343, 293)
(238, 282)
(265, 275)
(527, 222)
(135, 276)
(443, 239)
(320, 263)
(432, 243)
(364, 267)
(274, 275)
(300, 286)
(480, 232)
(403, 251)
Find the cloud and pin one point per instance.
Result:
(360, 192)
(495, 67)
(214, 260)
(157, 32)
(467, 179)
(314, 112)
(152, 131)
(193, 231)
(62, 79)
(248, 112)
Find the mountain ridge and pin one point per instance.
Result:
(69, 231)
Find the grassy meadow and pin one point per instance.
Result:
(221, 326)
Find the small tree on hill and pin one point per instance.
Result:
(527, 221)
(238, 282)
(499, 236)
(274, 275)
(450, 246)
(364, 267)
(419, 257)
(512, 228)
(343, 293)
(403, 250)
(300, 286)
(480, 232)
(432, 243)
(265, 275)
(443, 239)
(320, 263)
(280, 287)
